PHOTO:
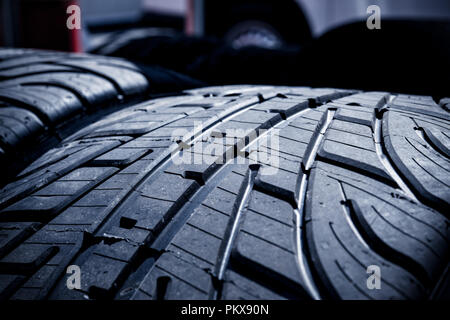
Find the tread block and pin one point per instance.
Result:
(419, 102)
(80, 216)
(49, 172)
(286, 108)
(8, 137)
(46, 202)
(237, 287)
(8, 284)
(271, 207)
(12, 233)
(209, 220)
(220, 200)
(91, 90)
(27, 258)
(156, 202)
(97, 198)
(51, 104)
(438, 140)
(266, 258)
(282, 182)
(27, 119)
(400, 233)
(270, 230)
(183, 280)
(339, 249)
(100, 274)
(119, 157)
(62, 235)
(129, 82)
(366, 99)
(201, 172)
(198, 242)
(181, 269)
(120, 250)
(345, 126)
(354, 156)
(169, 187)
(30, 70)
(176, 289)
(119, 129)
(424, 168)
(356, 116)
(21, 124)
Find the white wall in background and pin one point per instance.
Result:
(110, 11)
(171, 7)
(324, 15)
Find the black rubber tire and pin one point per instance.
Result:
(45, 96)
(362, 180)
(285, 19)
(361, 61)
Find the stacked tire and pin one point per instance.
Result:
(308, 193)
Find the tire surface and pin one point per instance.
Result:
(45, 95)
(362, 180)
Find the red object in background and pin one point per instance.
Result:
(76, 43)
(194, 18)
(189, 19)
(42, 24)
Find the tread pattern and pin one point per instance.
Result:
(354, 185)
(422, 164)
(44, 94)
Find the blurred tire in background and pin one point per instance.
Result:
(255, 23)
(38, 24)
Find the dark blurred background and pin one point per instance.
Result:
(282, 42)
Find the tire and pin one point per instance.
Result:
(253, 33)
(45, 96)
(352, 204)
(265, 24)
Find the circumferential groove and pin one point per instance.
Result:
(165, 158)
(317, 139)
(384, 158)
(234, 224)
(299, 211)
(300, 240)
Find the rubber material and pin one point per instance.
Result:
(44, 95)
(360, 182)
